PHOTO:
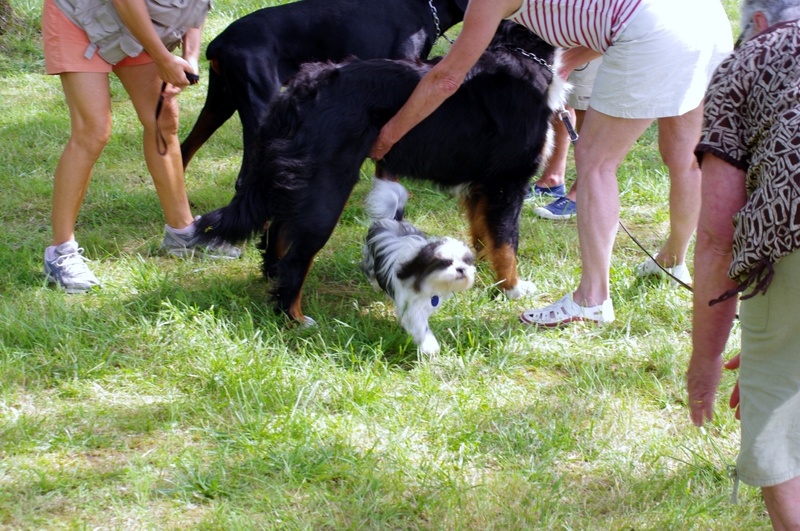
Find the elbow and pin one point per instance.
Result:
(447, 85)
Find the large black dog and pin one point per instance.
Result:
(488, 138)
(257, 53)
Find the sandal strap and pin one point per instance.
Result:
(566, 310)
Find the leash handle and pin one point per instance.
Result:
(573, 135)
(161, 142)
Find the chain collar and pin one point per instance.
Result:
(533, 57)
(435, 14)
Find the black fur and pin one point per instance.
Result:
(489, 136)
(257, 53)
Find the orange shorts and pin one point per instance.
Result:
(65, 45)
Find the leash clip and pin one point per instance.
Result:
(573, 135)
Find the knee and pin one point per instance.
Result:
(168, 118)
(91, 137)
(591, 166)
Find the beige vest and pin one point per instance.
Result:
(113, 41)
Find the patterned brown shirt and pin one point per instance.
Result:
(752, 121)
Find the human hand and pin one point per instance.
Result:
(381, 146)
(173, 69)
(732, 365)
(702, 380)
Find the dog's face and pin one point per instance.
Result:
(441, 267)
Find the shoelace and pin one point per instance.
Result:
(72, 261)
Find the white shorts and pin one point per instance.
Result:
(661, 62)
(582, 81)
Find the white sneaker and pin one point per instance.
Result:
(650, 268)
(65, 266)
(187, 245)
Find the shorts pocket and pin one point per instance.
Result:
(754, 313)
(166, 13)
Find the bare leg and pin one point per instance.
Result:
(556, 167)
(677, 137)
(783, 504)
(144, 86)
(604, 143)
(89, 101)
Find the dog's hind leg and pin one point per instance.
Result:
(307, 232)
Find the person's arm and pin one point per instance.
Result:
(480, 24)
(723, 194)
(575, 57)
(136, 18)
(191, 48)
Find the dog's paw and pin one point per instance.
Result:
(523, 288)
(429, 346)
(307, 322)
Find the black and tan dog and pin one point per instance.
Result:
(256, 54)
(487, 139)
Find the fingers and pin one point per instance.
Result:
(379, 150)
(733, 363)
(701, 410)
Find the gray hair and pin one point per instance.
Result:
(774, 10)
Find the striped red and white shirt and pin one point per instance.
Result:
(570, 23)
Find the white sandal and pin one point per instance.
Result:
(565, 310)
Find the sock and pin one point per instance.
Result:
(188, 229)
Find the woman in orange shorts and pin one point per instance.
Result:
(85, 81)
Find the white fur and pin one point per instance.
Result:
(394, 243)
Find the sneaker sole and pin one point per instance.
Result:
(561, 323)
(186, 252)
(71, 290)
(546, 214)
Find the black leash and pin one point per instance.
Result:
(160, 140)
(664, 269)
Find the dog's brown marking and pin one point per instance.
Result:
(503, 258)
(295, 310)
(214, 63)
(281, 243)
(474, 207)
(504, 263)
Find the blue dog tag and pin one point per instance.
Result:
(435, 301)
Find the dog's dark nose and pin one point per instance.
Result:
(461, 271)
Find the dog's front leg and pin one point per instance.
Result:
(414, 319)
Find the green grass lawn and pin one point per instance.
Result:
(175, 398)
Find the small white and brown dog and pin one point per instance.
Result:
(417, 272)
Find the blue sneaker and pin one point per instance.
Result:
(561, 208)
(536, 191)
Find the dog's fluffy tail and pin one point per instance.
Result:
(386, 200)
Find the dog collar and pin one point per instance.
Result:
(435, 301)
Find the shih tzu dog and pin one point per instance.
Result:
(417, 272)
